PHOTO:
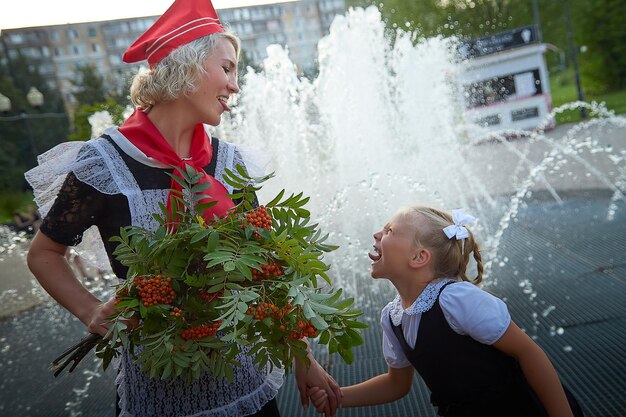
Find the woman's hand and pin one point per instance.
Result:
(100, 321)
(316, 376)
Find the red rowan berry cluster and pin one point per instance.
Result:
(264, 310)
(176, 312)
(304, 329)
(154, 290)
(119, 294)
(201, 331)
(207, 298)
(259, 218)
(268, 270)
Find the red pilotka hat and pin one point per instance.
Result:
(183, 22)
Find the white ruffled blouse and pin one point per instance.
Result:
(468, 310)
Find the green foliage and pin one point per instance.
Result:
(11, 172)
(597, 25)
(10, 202)
(89, 86)
(217, 275)
(82, 128)
(602, 31)
(17, 76)
(563, 90)
(465, 19)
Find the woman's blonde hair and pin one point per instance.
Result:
(178, 73)
(450, 256)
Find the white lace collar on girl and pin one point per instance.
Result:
(424, 302)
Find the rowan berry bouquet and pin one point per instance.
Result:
(251, 281)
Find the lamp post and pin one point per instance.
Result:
(572, 46)
(35, 99)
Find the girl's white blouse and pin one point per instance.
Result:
(468, 310)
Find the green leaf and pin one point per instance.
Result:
(356, 337)
(347, 355)
(319, 323)
(167, 371)
(322, 309)
(324, 337)
(202, 207)
(200, 236)
(198, 188)
(212, 241)
(243, 268)
(356, 324)
(276, 199)
(308, 311)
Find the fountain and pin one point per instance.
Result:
(380, 127)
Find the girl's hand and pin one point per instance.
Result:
(316, 376)
(318, 397)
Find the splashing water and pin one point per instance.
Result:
(382, 127)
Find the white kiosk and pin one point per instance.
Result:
(505, 82)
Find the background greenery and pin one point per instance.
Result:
(599, 38)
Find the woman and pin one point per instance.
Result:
(120, 178)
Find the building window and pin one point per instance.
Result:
(58, 52)
(54, 35)
(72, 34)
(503, 88)
(95, 47)
(93, 32)
(17, 38)
(75, 50)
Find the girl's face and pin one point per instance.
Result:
(393, 248)
(215, 88)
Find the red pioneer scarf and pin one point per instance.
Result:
(142, 133)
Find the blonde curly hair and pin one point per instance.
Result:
(178, 73)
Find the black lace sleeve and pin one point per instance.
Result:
(75, 210)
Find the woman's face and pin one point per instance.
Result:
(216, 87)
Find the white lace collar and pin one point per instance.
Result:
(424, 302)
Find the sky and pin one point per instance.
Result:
(28, 13)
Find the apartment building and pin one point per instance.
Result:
(59, 50)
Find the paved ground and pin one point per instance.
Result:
(561, 269)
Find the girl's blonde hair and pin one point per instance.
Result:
(450, 256)
(178, 73)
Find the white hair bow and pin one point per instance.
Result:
(460, 218)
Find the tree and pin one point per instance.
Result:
(82, 127)
(89, 86)
(600, 28)
(17, 76)
(244, 63)
(463, 18)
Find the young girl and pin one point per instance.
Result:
(461, 340)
